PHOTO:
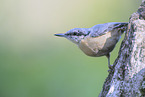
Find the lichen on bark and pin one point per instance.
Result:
(127, 79)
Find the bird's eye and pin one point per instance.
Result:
(75, 33)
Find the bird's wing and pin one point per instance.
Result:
(102, 29)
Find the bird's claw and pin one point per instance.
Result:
(110, 68)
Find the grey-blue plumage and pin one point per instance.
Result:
(101, 29)
(98, 40)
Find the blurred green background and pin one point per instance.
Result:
(35, 63)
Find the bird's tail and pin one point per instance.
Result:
(122, 27)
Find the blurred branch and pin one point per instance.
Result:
(127, 79)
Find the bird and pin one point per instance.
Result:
(98, 40)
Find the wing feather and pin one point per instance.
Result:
(101, 29)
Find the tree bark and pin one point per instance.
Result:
(127, 79)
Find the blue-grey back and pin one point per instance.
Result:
(101, 29)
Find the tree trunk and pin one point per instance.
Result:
(127, 79)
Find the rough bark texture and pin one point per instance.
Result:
(127, 79)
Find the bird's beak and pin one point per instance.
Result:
(60, 35)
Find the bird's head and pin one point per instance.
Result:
(75, 35)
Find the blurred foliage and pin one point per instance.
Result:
(34, 63)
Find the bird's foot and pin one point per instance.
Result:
(110, 68)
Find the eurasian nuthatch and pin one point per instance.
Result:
(98, 40)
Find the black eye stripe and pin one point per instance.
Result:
(78, 33)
